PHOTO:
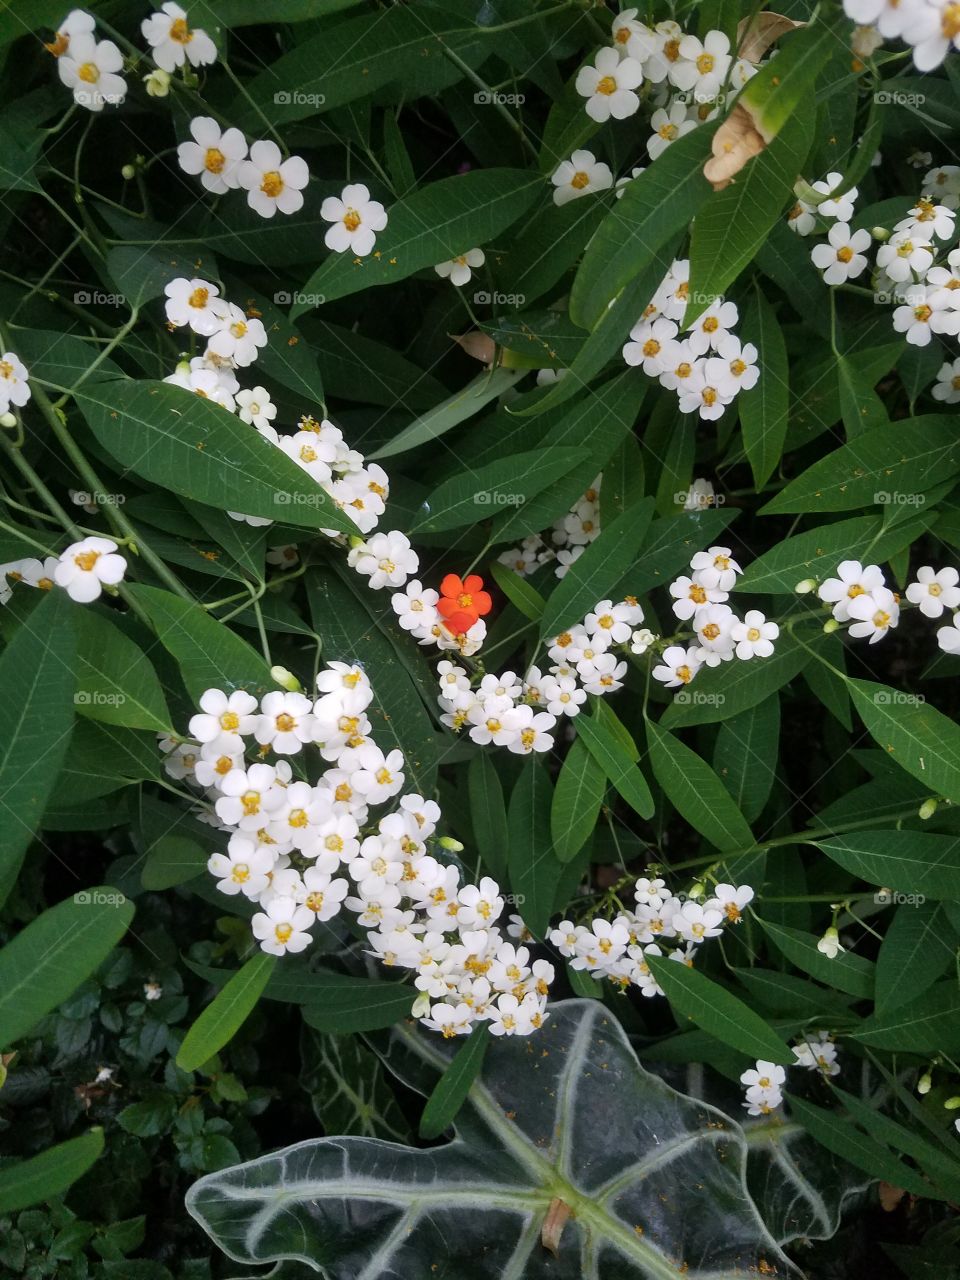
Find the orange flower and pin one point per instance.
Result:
(461, 603)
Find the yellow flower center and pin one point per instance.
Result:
(384, 777)
(6, 369)
(697, 594)
(753, 633)
(180, 32)
(844, 254)
(683, 370)
(881, 619)
(705, 63)
(86, 560)
(651, 347)
(685, 674)
(671, 50)
(580, 180)
(284, 722)
(238, 329)
(607, 85)
(855, 590)
(950, 21)
(709, 396)
(272, 184)
(240, 873)
(351, 219)
(667, 131)
(314, 901)
(214, 160)
(737, 367)
(710, 631)
(89, 73)
(283, 932)
(298, 818)
(922, 313)
(230, 721)
(527, 737)
(710, 325)
(343, 792)
(251, 803)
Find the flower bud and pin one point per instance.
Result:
(696, 890)
(924, 1083)
(286, 679)
(421, 1006)
(928, 808)
(8, 419)
(128, 172)
(951, 1104)
(355, 541)
(830, 626)
(880, 234)
(158, 83)
(448, 842)
(829, 944)
(806, 586)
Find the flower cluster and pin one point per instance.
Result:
(930, 27)
(521, 714)
(83, 570)
(719, 635)
(860, 598)
(451, 618)
(659, 924)
(569, 537)
(763, 1083)
(220, 158)
(301, 851)
(707, 366)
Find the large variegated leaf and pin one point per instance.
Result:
(655, 1180)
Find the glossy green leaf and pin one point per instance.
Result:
(913, 863)
(617, 760)
(917, 948)
(532, 862)
(488, 814)
(914, 735)
(50, 1174)
(577, 797)
(765, 408)
(453, 1086)
(847, 972)
(116, 682)
(746, 755)
(696, 792)
(226, 1013)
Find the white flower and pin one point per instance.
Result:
(356, 219)
(285, 723)
(705, 65)
(459, 270)
(258, 409)
(766, 1075)
(681, 368)
(714, 629)
(14, 388)
(843, 258)
(697, 396)
(695, 922)
(925, 218)
(925, 311)
(39, 573)
(649, 341)
(948, 638)
(754, 636)
(715, 568)
(581, 175)
(802, 218)
(563, 696)
(692, 594)
(943, 185)
(947, 386)
(874, 614)
(220, 712)
(85, 567)
(904, 255)
(157, 84)
(602, 674)
(238, 336)
(387, 559)
(853, 580)
(609, 86)
(612, 621)
(712, 326)
(935, 591)
(733, 368)
(839, 207)
(174, 41)
(668, 126)
(249, 796)
(214, 154)
(282, 926)
(679, 666)
(450, 1020)
(933, 31)
(641, 641)
(196, 303)
(374, 775)
(732, 899)
(90, 69)
(272, 183)
(205, 383)
(77, 23)
(415, 608)
(818, 1053)
(245, 867)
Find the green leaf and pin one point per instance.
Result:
(846, 972)
(713, 1008)
(191, 446)
(173, 860)
(208, 653)
(656, 206)
(28, 1182)
(577, 797)
(488, 814)
(896, 463)
(432, 225)
(533, 866)
(594, 575)
(860, 406)
(116, 682)
(518, 591)
(463, 404)
(288, 357)
(696, 792)
(746, 755)
(617, 760)
(733, 223)
(913, 734)
(913, 863)
(930, 1023)
(510, 483)
(226, 1013)
(37, 672)
(917, 948)
(765, 409)
(55, 953)
(452, 1088)
(340, 1004)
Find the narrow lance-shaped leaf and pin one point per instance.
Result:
(696, 792)
(764, 410)
(50, 1174)
(226, 1013)
(454, 1085)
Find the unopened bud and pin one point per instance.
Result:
(8, 419)
(286, 679)
(880, 234)
(696, 890)
(128, 172)
(183, 366)
(421, 1006)
(806, 586)
(925, 1083)
(158, 83)
(928, 808)
(830, 626)
(448, 842)
(355, 541)
(951, 1104)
